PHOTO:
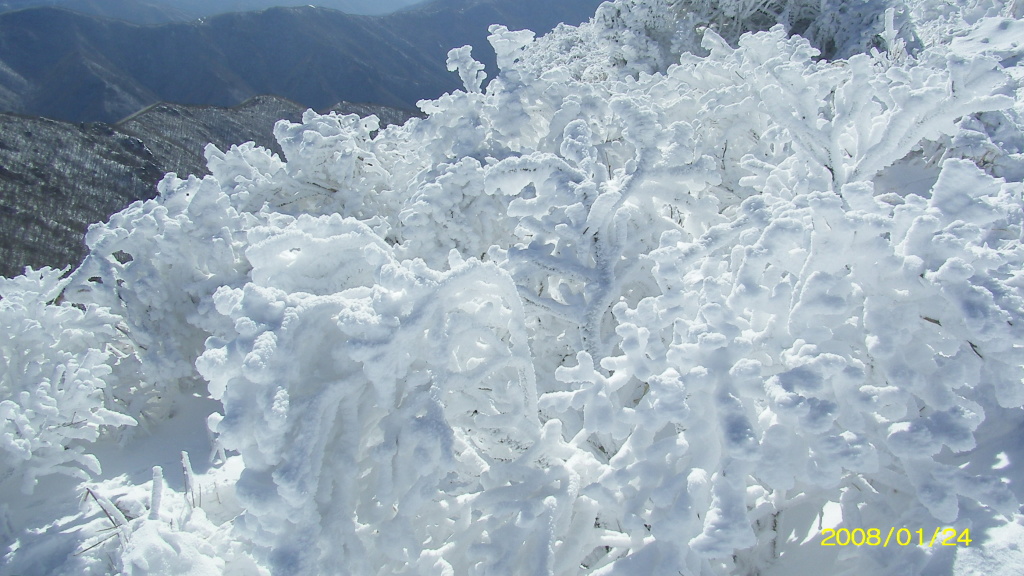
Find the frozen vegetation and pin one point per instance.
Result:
(674, 291)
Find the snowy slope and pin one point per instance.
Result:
(654, 300)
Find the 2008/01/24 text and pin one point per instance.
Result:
(895, 536)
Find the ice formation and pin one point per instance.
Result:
(645, 302)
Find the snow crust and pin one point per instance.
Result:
(659, 298)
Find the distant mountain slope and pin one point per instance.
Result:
(212, 7)
(56, 178)
(163, 11)
(69, 66)
(137, 11)
(80, 68)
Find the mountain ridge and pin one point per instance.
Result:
(68, 66)
(163, 11)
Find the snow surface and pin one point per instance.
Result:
(670, 294)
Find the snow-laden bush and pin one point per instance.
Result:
(646, 36)
(803, 375)
(576, 323)
(55, 388)
(155, 263)
(417, 380)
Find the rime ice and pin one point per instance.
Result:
(655, 291)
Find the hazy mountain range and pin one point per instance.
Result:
(159, 11)
(71, 66)
(138, 11)
(57, 177)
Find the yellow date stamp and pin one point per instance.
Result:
(895, 537)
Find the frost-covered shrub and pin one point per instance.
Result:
(598, 319)
(155, 264)
(55, 394)
(418, 382)
(802, 375)
(631, 37)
